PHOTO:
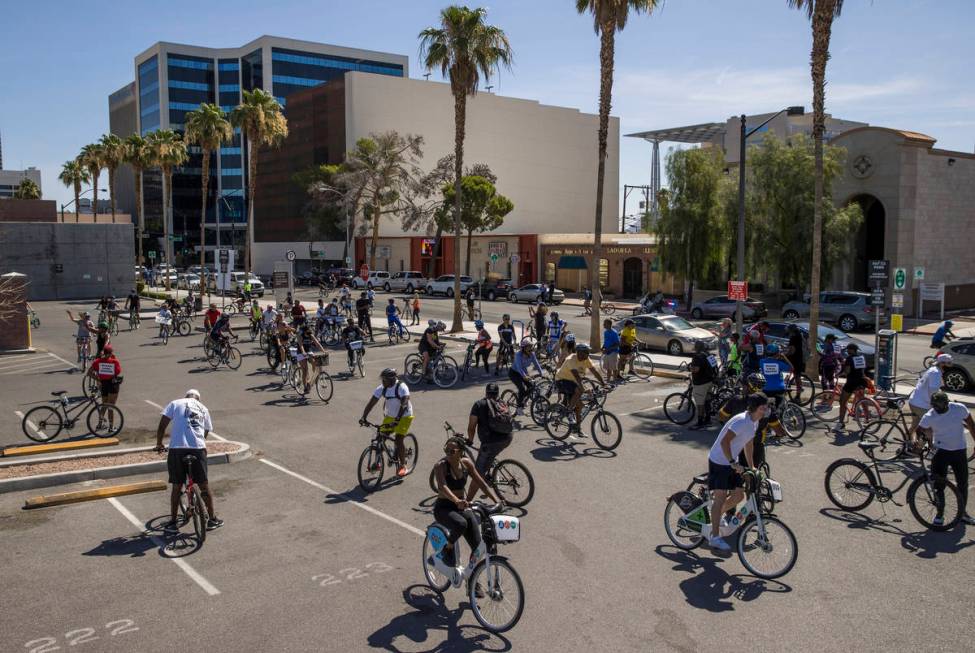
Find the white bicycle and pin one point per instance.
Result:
(165, 324)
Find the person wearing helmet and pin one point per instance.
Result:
(85, 329)
(943, 425)
(352, 332)
(520, 374)
(392, 317)
(774, 366)
(310, 350)
(484, 346)
(829, 362)
(568, 381)
(256, 312)
(929, 383)
(132, 305)
(733, 364)
(493, 424)
(753, 384)
(704, 368)
(854, 370)
(164, 318)
(398, 412)
(611, 351)
(555, 330)
(429, 346)
(752, 350)
(103, 334)
(279, 335)
(567, 345)
(942, 335)
(506, 348)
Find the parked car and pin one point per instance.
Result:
(377, 278)
(162, 271)
(778, 332)
(444, 285)
(341, 274)
(846, 309)
(529, 293)
(235, 284)
(721, 306)
(406, 281)
(187, 280)
(140, 272)
(491, 289)
(671, 333)
(961, 375)
(308, 278)
(195, 269)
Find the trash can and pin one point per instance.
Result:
(198, 304)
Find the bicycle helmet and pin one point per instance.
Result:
(431, 323)
(755, 381)
(107, 349)
(949, 323)
(555, 315)
(441, 326)
(478, 324)
(527, 344)
(569, 338)
(103, 324)
(944, 359)
(939, 401)
(772, 349)
(853, 347)
(388, 373)
(582, 348)
(505, 317)
(85, 314)
(753, 332)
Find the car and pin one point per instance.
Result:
(308, 278)
(340, 274)
(444, 285)
(846, 309)
(140, 272)
(721, 306)
(195, 269)
(530, 292)
(491, 289)
(961, 375)
(407, 281)
(778, 332)
(376, 279)
(671, 333)
(235, 284)
(187, 280)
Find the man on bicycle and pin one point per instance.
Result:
(519, 373)
(943, 426)
(929, 383)
(430, 344)
(493, 424)
(278, 338)
(854, 370)
(398, 411)
(392, 317)
(942, 335)
(165, 319)
(506, 338)
(211, 316)
(220, 332)
(85, 329)
(132, 303)
(568, 379)
(352, 332)
(309, 348)
(555, 331)
(191, 426)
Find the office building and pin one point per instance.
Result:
(10, 179)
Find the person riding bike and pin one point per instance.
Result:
(493, 424)
(398, 411)
(352, 332)
(132, 302)
(165, 315)
(278, 338)
(854, 371)
(506, 339)
(392, 317)
(220, 332)
(628, 343)
(484, 346)
(430, 344)
(309, 349)
(363, 312)
(268, 317)
(829, 362)
(211, 316)
(930, 382)
(752, 349)
(567, 346)
(773, 367)
(85, 329)
(704, 369)
(568, 379)
(942, 335)
(555, 330)
(102, 337)
(520, 374)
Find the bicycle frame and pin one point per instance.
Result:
(700, 518)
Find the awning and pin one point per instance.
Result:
(572, 263)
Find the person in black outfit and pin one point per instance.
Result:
(351, 333)
(703, 367)
(506, 336)
(483, 417)
(795, 355)
(854, 371)
(551, 292)
(362, 306)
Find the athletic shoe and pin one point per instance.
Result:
(719, 544)
(938, 521)
(213, 523)
(968, 519)
(402, 471)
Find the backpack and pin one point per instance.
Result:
(499, 418)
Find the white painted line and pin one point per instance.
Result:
(71, 365)
(4, 360)
(35, 360)
(31, 424)
(212, 434)
(182, 564)
(348, 498)
(32, 368)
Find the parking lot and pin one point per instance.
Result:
(307, 561)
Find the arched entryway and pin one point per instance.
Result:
(632, 277)
(869, 245)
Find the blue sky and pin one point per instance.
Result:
(895, 63)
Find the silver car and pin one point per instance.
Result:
(847, 310)
(530, 292)
(671, 333)
(722, 306)
(961, 375)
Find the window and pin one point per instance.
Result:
(603, 273)
(964, 350)
(550, 271)
(777, 330)
(844, 299)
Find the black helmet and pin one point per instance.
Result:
(582, 348)
(700, 346)
(939, 401)
(755, 381)
(388, 373)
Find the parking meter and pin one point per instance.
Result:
(886, 359)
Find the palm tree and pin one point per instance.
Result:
(92, 158)
(821, 13)
(464, 48)
(139, 156)
(208, 128)
(113, 155)
(73, 175)
(260, 119)
(27, 190)
(168, 152)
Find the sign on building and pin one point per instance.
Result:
(427, 246)
(498, 249)
(919, 274)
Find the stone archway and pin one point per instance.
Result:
(869, 242)
(632, 277)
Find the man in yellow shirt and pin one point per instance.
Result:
(568, 379)
(628, 345)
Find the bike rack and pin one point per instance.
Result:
(522, 324)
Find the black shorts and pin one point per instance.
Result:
(566, 387)
(108, 386)
(852, 386)
(626, 350)
(722, 477)
(177, 470)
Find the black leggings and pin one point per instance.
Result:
(482, 353)
(522, 386)
(458, 523)
(958, 462)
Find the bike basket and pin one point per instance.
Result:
(165, 321)
(293, 351)
(355, 345)
(776, 489)
(437, 537)
(506, 528)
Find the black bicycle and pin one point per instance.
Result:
(44, 423)
(382, 450)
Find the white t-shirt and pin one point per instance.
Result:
(949, 427)
(393, 395)
(929, 383)
(269, 316)
(744, 429)
(190, 420)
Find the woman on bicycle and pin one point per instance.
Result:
(451, 509)
(85, 329)
(520, 373)
(309, 348)
(506, 338)
(392, 317)
(628, 344)
(829, 362)
(484, 346)
(430, 344)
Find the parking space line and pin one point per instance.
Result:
(26, 362)
(345, 496)
(71, 365)
(25, 369)
(155, 405)
(182, 564)
(31, 424)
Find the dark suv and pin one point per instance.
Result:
(492, 289)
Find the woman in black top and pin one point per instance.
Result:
(452, 509)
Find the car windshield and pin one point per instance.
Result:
(677, 324)
(822, 331)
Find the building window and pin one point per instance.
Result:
(603, 273)
(550, 272)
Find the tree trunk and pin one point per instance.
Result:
(606, 55)
(203, 217)
(140, 218)
(111, 189)
(251, 191)
(460, 110)
(375, 233)
(467, 263)
(437, 248)
(167, 244)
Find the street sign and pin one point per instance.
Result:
(515, 259)
(879, 273)
(348, 259)
(224, 258)
(364, 272)
(900, 278)
(291, 255)
(897, 300)
(738, 290)
(932, 292)
(877, 298)
(152, 255)
(919, 274)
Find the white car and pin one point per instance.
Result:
(235, 284)
(188, 280)
(376, 279)
(444, 285)
(405, 281)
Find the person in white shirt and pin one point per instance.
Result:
(944, 426)
(723, 469)
(268, 317)
(927, 385)
(398, 411)
(191, 426)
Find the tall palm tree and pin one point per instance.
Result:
(168, 152)
(139, 156)
(609, 17)
(821, 13)
(260, 119)
(209, 128)
(73, 175)
(465, 48)
(113, 155)
(92, 158)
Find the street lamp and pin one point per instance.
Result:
(80, 195)
(744, 134)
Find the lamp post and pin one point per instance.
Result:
(743, 136)
(80, 195)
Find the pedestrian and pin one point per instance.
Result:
(551, 291)
(796, 355)
(587, 301)
(724, 334)
(929, 383)
(470, 303)
(416, 308)
(108, 370)
(611, 351)
(943, 427)
(702, 377)
(362, 308)
(829, 362)
(493, 424)
(538, 314)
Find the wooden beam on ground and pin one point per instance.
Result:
(95, 494)
(34, 449)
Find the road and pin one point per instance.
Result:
(306, 561)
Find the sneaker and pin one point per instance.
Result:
(448, 556)
(402, 471)
(718, 543)
(968, 519)
(938, 521)
(213, 523)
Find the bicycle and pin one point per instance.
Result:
(165, 324)
(637, 364)
(84, 353)
(605, 427)
(472, 314)
(499, 600)
(505, 356)
(382, 449)
(801, 396)
(35, 322)
(510, 479)
(181, 324)
(444, 369)
(538, 395)
(43, 423)
(191, 504)
(607, 309)
(863, 409)
(358, 352)
(110, 316)
(223, 352)
(397, 334)
(135, 320)
(323, 380)
(852, 485)
(761, 538)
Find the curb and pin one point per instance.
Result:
(117, 471)
(10, 352)
(40, 449)
(670, 374)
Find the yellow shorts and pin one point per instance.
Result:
(402, 428)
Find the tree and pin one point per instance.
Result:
(27, 190)
(260, 119)
(113, 155)
(139, 156)
(206, 127)
(609, 17)
(73, 175)
(168, 151)
(91, 158)
(465, 48)
(690, 230)
(482, 208)
(821, 14)
(323, 220)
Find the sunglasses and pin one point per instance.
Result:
(450, 450)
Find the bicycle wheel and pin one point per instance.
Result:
(557, 422)
(682, 536)
(372, 464)
(793, 421)
(42, 424)
(115, 327)
(928, 361)
(90, 386)
(640, 365)
(105, 420)
(510, 399)
(825, 406)
(200, 515)
(213, 358)
(849, 484)
(183, 328)
(924, 504)
(165, 335)
(263, 340)
(208, 346)
(866, 410)
(437, 581)
(513, 483)
(679, 408)
(406, 336)
(539, 410)
(253, 331)
(393, 336)
(413, 368)
(412, 452)
(362, 370)
(503, 600)
(888, 435)
(433, 479)
(324, 386)
(607, 432)
(294, 380)
(803, 396)
(769, 551)
(233, 358)
(445, 372)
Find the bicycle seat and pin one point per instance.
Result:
(895, 403)
(701, 478)
(189, 458)
(58, 393)
(868, 446)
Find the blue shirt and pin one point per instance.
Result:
(939, 335)
(521, 362)
(774, 370)
(390, 310)
(611, 342)
(555, 329)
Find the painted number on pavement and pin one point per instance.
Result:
(351, 573)
(80, 636)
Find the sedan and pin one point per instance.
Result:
(721, 306)
(778, 332)
(188, 280)
(961, 375)
(671, 333)
(530, 292)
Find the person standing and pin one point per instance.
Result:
(538, 314)
(362, 308)
(702, 377)
(611, 351)
(587, 301)
(829, 362)
(551, 292)
(796, 356)
(493, 424)
(108, 370)
(927, 385)
(415, 305)
(943, 425)
(724, 336)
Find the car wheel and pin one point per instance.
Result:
(513, 298)
(490, 295)
(847, 323)
(955, 380)
(697, 314)
(450, 292)
(386, 286)
(790, 315)
(429, 290)
(409, 289)
(674, 348)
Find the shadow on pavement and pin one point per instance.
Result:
(551, 450)
(175, 544)
(859, 521)
(661, 426)
(928, 544)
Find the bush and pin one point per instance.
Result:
(140, 287)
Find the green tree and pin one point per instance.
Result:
(609, 17)
(208, 128)
(168, 151)
(139, 157)
(483, 208)
(113, 155)
(260, 119)
(27, 190)
(323, 221)
(92, 158)
(73, 175)
(465, 49)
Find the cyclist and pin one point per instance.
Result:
(568, 379)
(132, 303)
(219, 328)
(362, 311)
(611, 351)
(298, 313)
(191, 426)
(733, 365)
(256, 314)
(165, 314)
(567, 346)
(723, 469)
(102, 336)
(943, 334)
(268, 317)
(555, 330)
(211, 316)
(278, 338)
(929, 383)
(108, 370)
(752, 349)
(371, 296)
(795, 354)
(537, 313)
(703, 370)
(85, 329)
(587, 301)
(773, 367)
(506, 339)
(519, 372)
(346, 302)
(392, 317)
(628, 343)
(430, 343)
(321, 313)
(854, 371)
(484, 346)
(309, 347)
(398, 411)
(247, 289)
(352, 332)
(829, 362)
(493, 424)
(943, 426)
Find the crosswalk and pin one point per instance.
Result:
(27, 363)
